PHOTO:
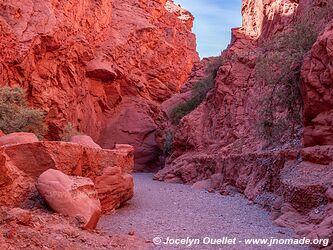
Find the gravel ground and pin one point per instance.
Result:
(177, 211)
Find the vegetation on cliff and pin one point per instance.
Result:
(279, 67)
(199, 93)
(68, 131)
(16, 115)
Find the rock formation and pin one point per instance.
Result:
(18, 138)
(87, 63)
(111, 68)
(84, 140)
(22, 164)
(218, 144)
(317, 75)
(70, 195)
(35, 229)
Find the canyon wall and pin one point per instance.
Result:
(317, 75)
(218, 143)
(226, 120)
(95, 64)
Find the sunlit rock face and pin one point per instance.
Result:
(78, 60)
(263, 17)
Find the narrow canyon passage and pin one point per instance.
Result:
(164, 210)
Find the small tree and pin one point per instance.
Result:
(16, 115)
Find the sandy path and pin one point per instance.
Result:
(177, 211)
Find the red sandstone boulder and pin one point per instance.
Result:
(22, 164)
(84, 140)
(101, 71)
(69, 195)
(1, 133)
(18, 138)
(318, 154)
(217, 180)
(114, 187)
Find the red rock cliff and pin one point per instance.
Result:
(317, 75)
(91, 62)
(218, 142)
(226, 120)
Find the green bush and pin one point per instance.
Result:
(279, 67)
(68, 131)
(199, 92)
(16, 115)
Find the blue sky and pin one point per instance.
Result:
(213, 22)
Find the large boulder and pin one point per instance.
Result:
(1, 133)
(21, 165)
(100, 71)
(84, 140)
(70, 195)
(18, 138)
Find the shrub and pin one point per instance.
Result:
(279, 67)
(16, 116)
(168, 144)
(68, 131)
(199, 92)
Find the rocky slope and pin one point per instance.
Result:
(96, 63)
(38, 229)
(218, 145)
